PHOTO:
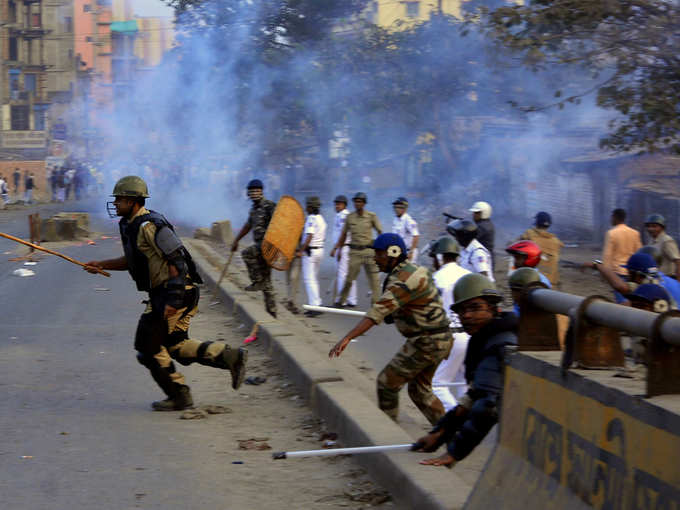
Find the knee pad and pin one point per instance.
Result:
(176, 337)
(148, 361)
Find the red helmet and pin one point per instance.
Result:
(528, 248)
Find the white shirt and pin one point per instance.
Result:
(477, 259)
(338, 224)
(406, 227)
(316, 226)
(445, 279)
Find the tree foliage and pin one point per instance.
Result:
(630, 46)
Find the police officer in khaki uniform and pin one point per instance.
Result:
(411, 300)
(260, 273)
(360, 225)
(161, 266)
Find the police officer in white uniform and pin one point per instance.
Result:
(311, 252)
(452, 369)
(473, 256)
(342, 256)
(404, 225)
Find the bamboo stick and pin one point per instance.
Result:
(51, 252)
(342, 451)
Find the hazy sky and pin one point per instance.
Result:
(151, 8)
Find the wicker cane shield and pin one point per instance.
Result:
(283, 234)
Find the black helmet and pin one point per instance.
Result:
(463, 230)
(656, 218)
(360, 196)
(340, 198)
(255, 183)
(314, 202)
(543, 219)
(400, 201)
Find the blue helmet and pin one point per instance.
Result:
(641, 262)
(393, 244)
(654, 294)
(543, 219)
(255, 183)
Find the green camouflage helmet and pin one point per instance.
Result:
(522, 277)
(656, 218)
(473, 286)
(314, 202)
(130, 186)
(446, 244)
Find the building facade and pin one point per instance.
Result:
(37, 74)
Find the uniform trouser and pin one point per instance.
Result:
(342, 267)
(310, 273)
(293, 280)
(158, 341)
(452, 370)
(414, 364)
(260, 272)
(357, 260)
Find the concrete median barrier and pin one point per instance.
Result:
(571, 443)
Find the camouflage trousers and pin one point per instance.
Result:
(357, 260)
(260, 272)
(414, 364)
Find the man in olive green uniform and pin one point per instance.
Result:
(260, 273)
(411, 300)
(360, 225)
(161, 266)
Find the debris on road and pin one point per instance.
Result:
(254, 444)
(23, 272)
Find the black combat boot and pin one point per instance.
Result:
(255, 286)
(181, 399)
(237, 366)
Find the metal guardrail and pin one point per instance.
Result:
(623, 318)
(592, 339)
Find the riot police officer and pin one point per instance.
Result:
(160, 265)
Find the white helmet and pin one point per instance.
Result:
(481, 207)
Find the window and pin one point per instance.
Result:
(30, 83)
(412, 9)
(39, 117)
(68, 24)
(13, 48)
(35, 19)
(29, 51)
(20, 120)
(88, 38)
(87, 8)
(14, 83)
(12, 12)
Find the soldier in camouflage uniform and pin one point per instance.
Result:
(410, 299)
(258, 220)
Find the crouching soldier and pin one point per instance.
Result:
(491, 331)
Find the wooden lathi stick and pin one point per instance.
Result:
(51, 252)
(226, 267)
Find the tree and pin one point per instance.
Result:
(630, 46)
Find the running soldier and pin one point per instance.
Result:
(404, 225)
(410, 299)
(258, 220)
(360, 225)
(160, 265)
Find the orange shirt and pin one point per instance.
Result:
(620, 242)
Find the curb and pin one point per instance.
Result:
(345, 409)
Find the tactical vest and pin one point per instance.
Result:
(138, 264)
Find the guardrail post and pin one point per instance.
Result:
(596, 346)
(537, 328)
(663, 361)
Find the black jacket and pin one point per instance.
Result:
(486, 234)
(484, 362)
